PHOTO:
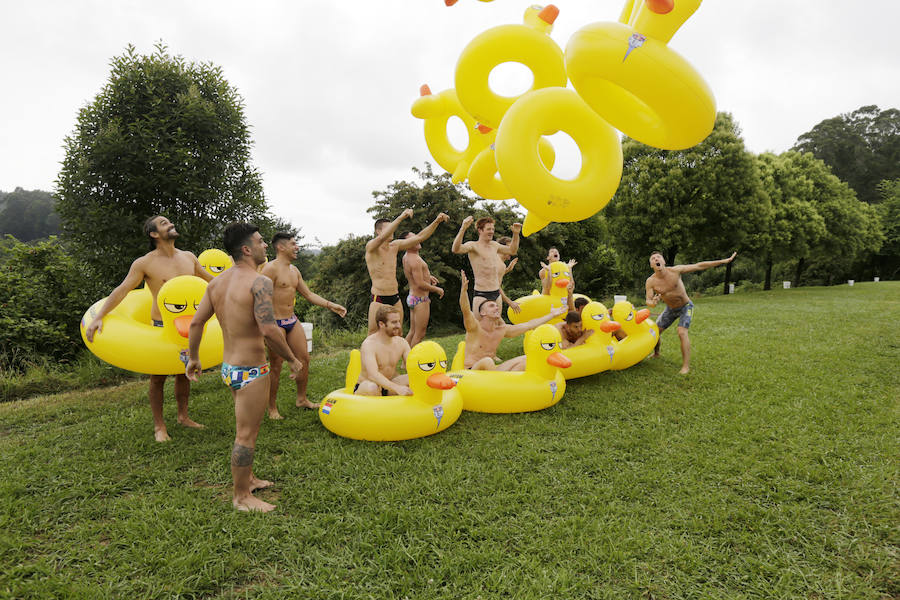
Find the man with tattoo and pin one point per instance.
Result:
(381, 260)
(287, 281)
(242, 300)
(486, 258)
(162, 263)
(421, 284)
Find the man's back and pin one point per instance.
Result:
(232, 297)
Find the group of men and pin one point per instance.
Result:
(254, 302)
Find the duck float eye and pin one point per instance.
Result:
(215, 268)
(548, 345)
(630, 316)
(556, 274)
(427, 366)
(174, 308)
(444, 363)
(196, 305)
(597, 317)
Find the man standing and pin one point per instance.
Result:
(162, 263)
(381, 261)
(485, 331)
(380, 353)
(486, 258)
(287, 281)
(242, 300)
(421, 284)
(665, 284)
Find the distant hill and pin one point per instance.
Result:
(28, 215)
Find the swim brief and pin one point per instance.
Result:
(412, 301)
(683, 314)
(157, 323)
(238, 377)
(287, 324)
(384, 392)
(389, 300)
(490, 296)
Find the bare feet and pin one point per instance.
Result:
(251, 503)
(684, 370)
(259, 484)
(275, 415)
(306, 404)
(655, 355)
(161, 435)
(188, 422)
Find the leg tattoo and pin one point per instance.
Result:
(241, 456)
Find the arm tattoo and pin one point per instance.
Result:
(262, 300)
(241, 456)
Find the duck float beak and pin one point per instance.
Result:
(610, 326)
(548, 14)
(440, 381)
(449, 2)
(558, 359)
(183, 324)
(562, 283)
(661, 7)
(641, 315)
(424, 90)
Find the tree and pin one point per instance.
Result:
(163, 136)
(887, 259)
(28, 215)
(862, 148)
(702, 202)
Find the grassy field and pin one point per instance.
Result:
(771, 471)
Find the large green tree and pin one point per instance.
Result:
(861, 147)
(887, 259)
(163, 136)
(698, 203)
(28, 215)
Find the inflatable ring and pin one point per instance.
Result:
(484, 179)
(434, 406)
(215, 261)
(527, 44)
(129, 341)
(436, 110)
(636, 82)
(547, 197)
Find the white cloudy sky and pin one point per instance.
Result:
(328, 84)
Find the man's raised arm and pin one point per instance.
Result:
(702, 266)
(469, 320)
(388, 231)
(513, 247)
(458, 246)
(423, 235)
(514, 330)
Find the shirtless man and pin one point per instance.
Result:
(380, 353)
(421, 283)
(485, 331)
(162, 263)
(510, 265)
(665, 284)
(572, 332)
(287, 281)
(242, 300)
(486, 258)
(381, 260)
(552, 257)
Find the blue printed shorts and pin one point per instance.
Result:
(683, 314)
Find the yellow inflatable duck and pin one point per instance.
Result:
(215, 261)
(529, 44)
(436, 110)
(434, 406)
(129, 341)
(484, 177)
(452, 2)
(627, 73)
(537, 304)
(642, 335)
(597, 352)
(539, 386)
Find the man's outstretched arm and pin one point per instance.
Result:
(388, 231)
(514, 330)
(422, 235)
(458, 246)
(702, 266)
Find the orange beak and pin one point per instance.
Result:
(449, 2)
(483, 128)
(562, 283)
(183, 324)
(440, 381)
(425, 90)
(661, 7)
(558, 359)
(641, 315)
(610, 326)
(548, 14)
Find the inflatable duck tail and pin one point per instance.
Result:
(354, 368)
(459, 360)
(533, 224)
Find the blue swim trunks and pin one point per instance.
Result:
(238, 377)
(287, 324)
(683, 315)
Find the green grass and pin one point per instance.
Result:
(771, 471)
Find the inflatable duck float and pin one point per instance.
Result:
(596, 354)
(539, 386)
(537, 304)
(215, 261)
(628, 74)
(129, 341)
(434, 406)
(642, 335)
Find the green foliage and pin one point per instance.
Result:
(28, 215)
(163, 136)
(862, 148)
(888, 257)
(43, 298)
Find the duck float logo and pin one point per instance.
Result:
(327, 406)
(438, 413)
(611, 351)
(634, 42)
(553, 390)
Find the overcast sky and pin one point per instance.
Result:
(328, 85)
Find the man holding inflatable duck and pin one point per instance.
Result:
(486, 259)
(162, 263)
(665, 284)
(486, 330)
(241, 298)
(287, 281)
(381, 261)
